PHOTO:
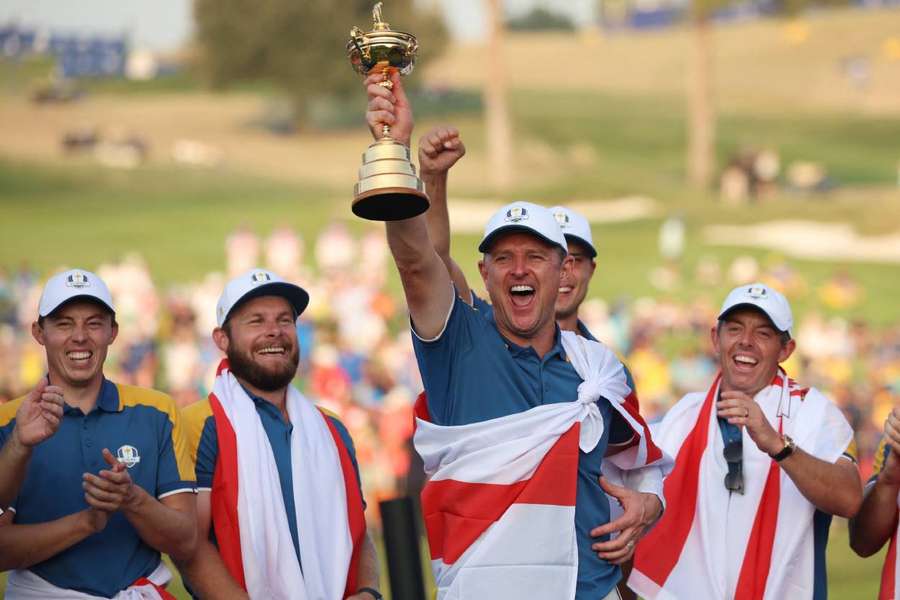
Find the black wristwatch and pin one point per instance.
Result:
(374, 593)
(788, 449)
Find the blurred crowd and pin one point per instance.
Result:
(356, 352)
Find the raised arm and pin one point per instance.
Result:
(877, 518)
(426, 283)
(439, 150)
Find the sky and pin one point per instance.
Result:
(167, 24)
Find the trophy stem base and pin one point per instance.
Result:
(390, 204)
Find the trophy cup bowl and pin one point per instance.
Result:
(388, 188)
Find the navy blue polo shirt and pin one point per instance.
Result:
(203, 441)
(472, 374)
(138, 424)
(621, 432)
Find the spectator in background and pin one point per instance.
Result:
(241, 251)
(284, 253)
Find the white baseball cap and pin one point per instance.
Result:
(574, 226)
(72, 284)
(525, 217)
(253, 284)
(766, 299)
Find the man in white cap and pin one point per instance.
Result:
(99, 472)
(762, 465)
(877, 520)
(280, 508)
(518, 414)
(637, 502)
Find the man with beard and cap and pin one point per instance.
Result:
(518, 414)
(761, 466)
(280, 507)
(97, 473)
(877, 520)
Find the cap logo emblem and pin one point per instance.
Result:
(562, 218)
(516, 214)
(756, 292)
(128, 456)
(77, 280)
(260, 277)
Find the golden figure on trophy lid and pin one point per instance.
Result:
(388, 188)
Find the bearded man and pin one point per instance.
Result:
(280, 508)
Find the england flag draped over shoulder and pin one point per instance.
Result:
(500, 504)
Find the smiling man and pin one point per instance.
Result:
(99, 472)
(518, 414)
(280, 508)
(762, 465)
(636, 495)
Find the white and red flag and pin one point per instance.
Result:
(500, 503)
(249, 515)
(712, 544)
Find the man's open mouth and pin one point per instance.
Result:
(521, 294)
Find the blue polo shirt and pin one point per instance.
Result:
(620, 432)
(140, 424)
(472, 374)
(203, 442)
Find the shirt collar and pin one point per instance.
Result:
(256, 399)
(519, 351)
(107, 399)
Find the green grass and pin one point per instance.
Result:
(177, 220)
(640, 140)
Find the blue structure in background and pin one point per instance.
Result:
(76, 56)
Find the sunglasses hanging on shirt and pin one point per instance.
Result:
(734, 456)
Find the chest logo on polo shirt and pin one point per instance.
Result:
(128, 456)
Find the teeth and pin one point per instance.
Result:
(565, 290)
(745, 359)
(78, 355)
(272, 350)
(521, 289)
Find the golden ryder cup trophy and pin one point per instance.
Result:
(388, 188)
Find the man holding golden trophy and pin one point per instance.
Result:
(517, 415)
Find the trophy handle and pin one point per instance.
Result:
(365, 55)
